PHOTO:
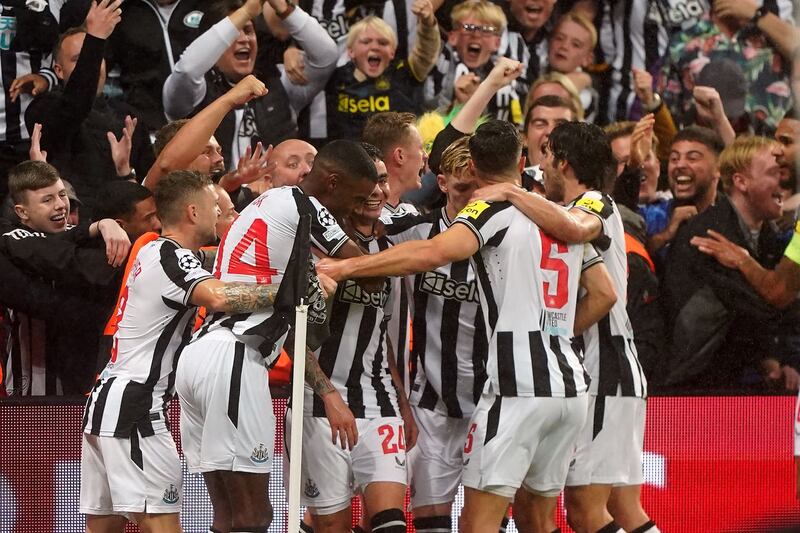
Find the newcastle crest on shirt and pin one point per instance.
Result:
(171, 495)
(260, 454)
(311, 489)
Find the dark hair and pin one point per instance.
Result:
(792, 114)
(30, 176)
(59, 43)
(387, 130)
(175, 190)
(166, 133)
(495, 147)
(347, 159)
(217, 11)
(118, 199)
(699, 134)
(587, 150)
(550, 100)
(372, 151)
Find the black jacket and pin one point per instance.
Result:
(74, 127)
(718, 323)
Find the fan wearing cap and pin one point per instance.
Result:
(739, 49)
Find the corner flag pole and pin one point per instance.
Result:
(302, 257)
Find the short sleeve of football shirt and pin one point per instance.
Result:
(184, 271)
(325, 231)
(485, 219)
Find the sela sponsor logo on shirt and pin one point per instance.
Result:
(440, 285)
(682, 11)
(192, 19)
(370, 104)
(260, 454)
(171, 494)
(352, 293)
(337, 27)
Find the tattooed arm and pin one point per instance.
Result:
(233, 297)
(209, 257)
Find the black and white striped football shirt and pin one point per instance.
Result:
(610, 353)
(449, 334)
(529, 292)
(354, 357)
(154, 320)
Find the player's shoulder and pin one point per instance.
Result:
(405, 221)
(595, 202)
(481, 210)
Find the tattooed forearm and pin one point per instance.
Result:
(247, 297)
(315, 377)
(209, 258)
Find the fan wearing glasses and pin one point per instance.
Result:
(467, 59)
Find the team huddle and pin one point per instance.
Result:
(524, 380)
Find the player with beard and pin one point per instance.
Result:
(606, 473)
(129, 464)
(227, 421)
(534, 401)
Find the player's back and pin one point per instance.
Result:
(154, 320)
(610, 351)
(529, 290)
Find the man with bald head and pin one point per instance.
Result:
(293, 159)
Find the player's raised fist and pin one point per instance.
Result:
(504, 72)
(250, 87)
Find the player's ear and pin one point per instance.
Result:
(21, 212)
(521, 163)
(442, 182)
(333, 181)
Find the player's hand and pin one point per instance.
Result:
(33, 84)
(254, 165)
(121, 148)
(295, 66)
(423, 10)
(103, 17)
(505, 71)
(643, 86)
(35, 152)
(642, 140)
(327, 284)
(464, 86)
(341, 419)
(117, 242)
(742, 10)
(248, 88)
(409, 425)
(331, 268)
(254, 7)
(498, 192)
(727, 253)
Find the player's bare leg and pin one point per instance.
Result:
(105, 524)
(157, 523)
(219, 501)
(383, 503)
(586, 507)
(625, 505)
(534, 513)
(482, 512)
(338, 522)
(247, 494)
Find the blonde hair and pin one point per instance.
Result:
(376, 24)
(480, 9)
(738, 156)
(580, 19)
(565, 82)
(455, 158)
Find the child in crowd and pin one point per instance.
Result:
(571, 50)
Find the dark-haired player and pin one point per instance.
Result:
(227, 422)
(534, 401)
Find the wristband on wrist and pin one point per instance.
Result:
(286, 12)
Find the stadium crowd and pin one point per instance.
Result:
(666, 127)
